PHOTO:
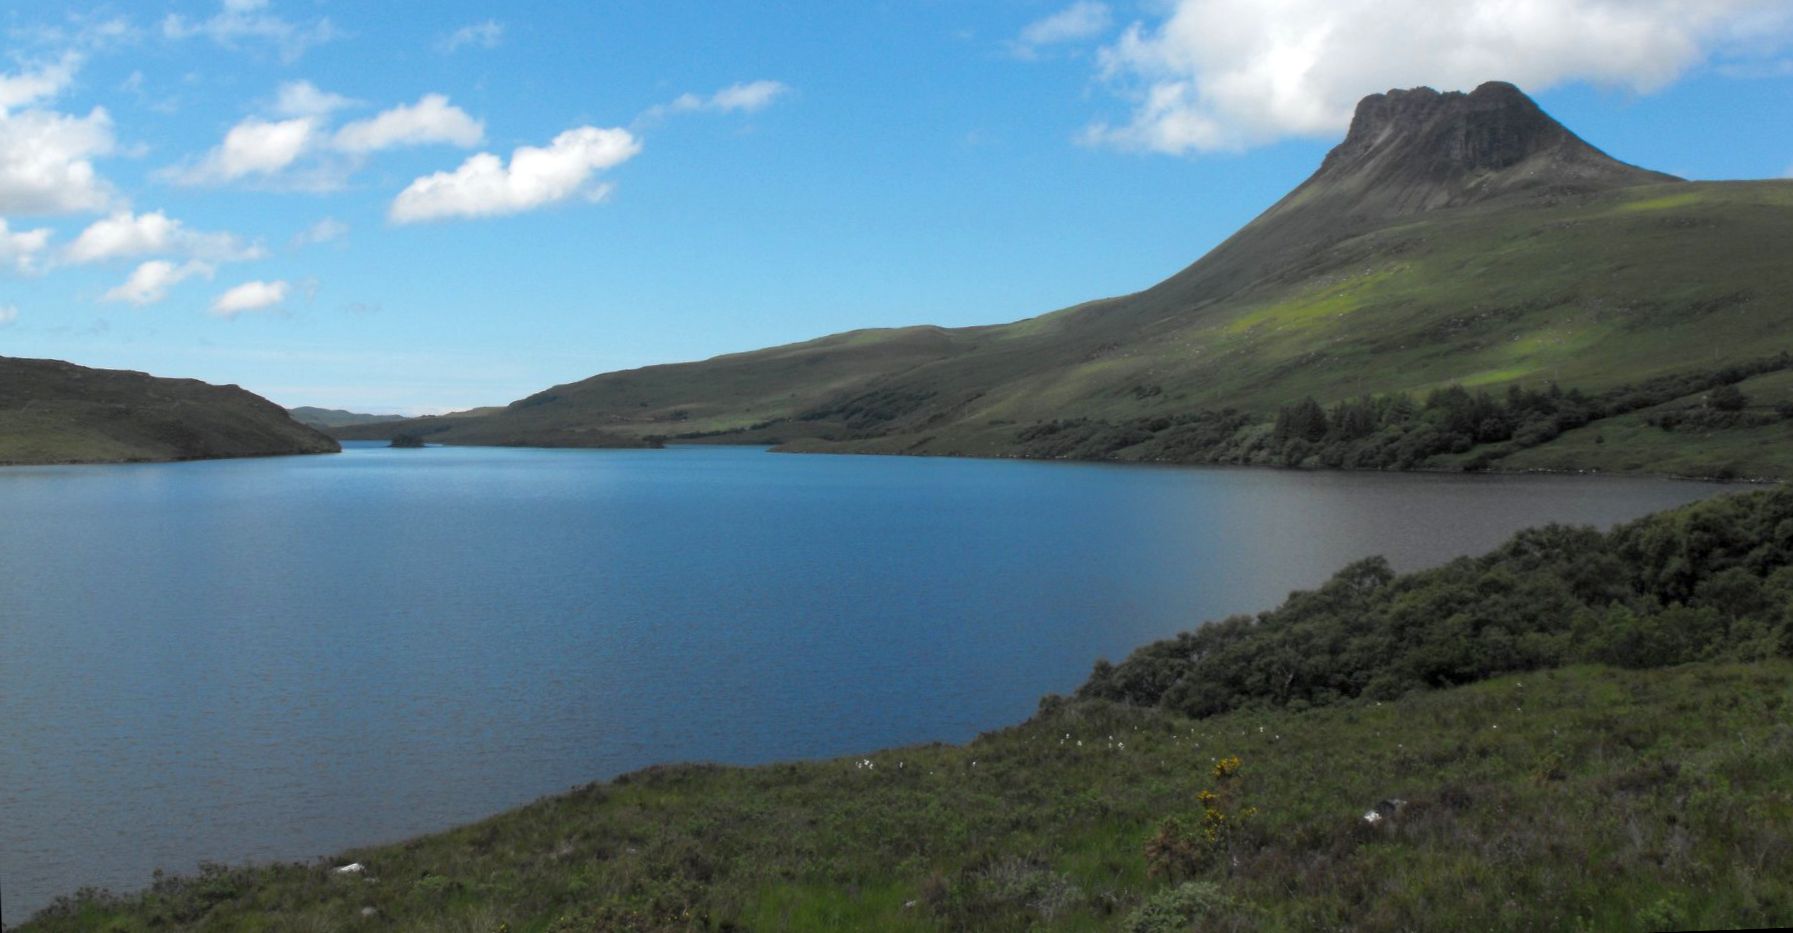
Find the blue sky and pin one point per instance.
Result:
(429, 206)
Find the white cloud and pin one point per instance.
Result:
(8, 314)
(1078, 22)
(750, 97)
(241, 22)
(253, 147)
(250, 296)
(19, 251)
(124, 235)
(485, 35)
(747, 97)
(431, 120)
(46, 157)
(32, 87)
(46, 162)
(300, 152)
(150, 282)
(304, 99)
(484, 186)
(1230, 74)
(324, 231)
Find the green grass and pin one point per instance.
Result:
(1671, 784)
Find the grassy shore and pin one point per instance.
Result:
(1580, 798)
(1436, 750)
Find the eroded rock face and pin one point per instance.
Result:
(1493, 128)
(1418, 149)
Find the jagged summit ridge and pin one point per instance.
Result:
(1420, 149)
(1494, 127)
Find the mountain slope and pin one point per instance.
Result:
(1450, 238)
(56, 412)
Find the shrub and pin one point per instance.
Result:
(1190, 904)
(1727, 398)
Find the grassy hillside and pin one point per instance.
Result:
(1394, 269)
(725, 394)
(1223, 778)
(56, 412)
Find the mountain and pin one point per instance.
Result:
(56, 412)
(325, 418)
(1450, 239)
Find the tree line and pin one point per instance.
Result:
(1397, 431)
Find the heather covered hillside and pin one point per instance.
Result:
(56, 412)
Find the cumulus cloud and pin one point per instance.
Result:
(19, 250)
(43, 83)
(431, 120)
(254, 147)
(241, 23)
(304, 99)
(46, 157)
(1230, 74)
(485, 35)
(125, 235)
(8, 314)
(324, 231)
(1079, 22)
(150, 282)
(250, 296)
(46, 162)
(484, 186)
(300, 151)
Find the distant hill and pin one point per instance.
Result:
(465, 427)
(325, 418)
(56, 412)
(1450, 239)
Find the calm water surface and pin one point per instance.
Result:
(277, 659)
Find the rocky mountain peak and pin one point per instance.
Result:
(1419, 149)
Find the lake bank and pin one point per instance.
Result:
(1506, 787)
(295, 656)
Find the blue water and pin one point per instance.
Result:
(277, 659)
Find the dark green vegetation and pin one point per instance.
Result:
(325, 418)
(1627, 795)
(56, 412)
(475, 428)
(1449, 240)
(1713, 581)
